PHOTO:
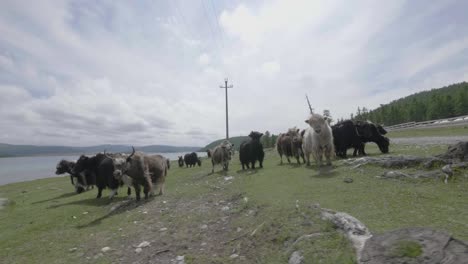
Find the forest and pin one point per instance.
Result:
(445, 102)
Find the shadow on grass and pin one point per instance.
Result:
(248, 171)
(117, 209)
(324, 171)
(91, 201)
(62, 196)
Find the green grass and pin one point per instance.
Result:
(431, 132)
(411, 249)
(46, 219)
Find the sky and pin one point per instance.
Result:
(81, 73)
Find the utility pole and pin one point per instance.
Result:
(227, 117)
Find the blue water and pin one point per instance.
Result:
(20, 169)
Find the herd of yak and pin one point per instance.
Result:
(319, 139)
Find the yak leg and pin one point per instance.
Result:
(289, 161)
(99, 194)
(129, 191)
(113, 193)
(253, 164)
(328, 152)
(212, 169)
(71, 178)
(281, 157)
(161, 189)
(137, 191)
(148, 187)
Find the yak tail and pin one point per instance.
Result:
(310, 107)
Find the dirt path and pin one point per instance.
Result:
(429, 140)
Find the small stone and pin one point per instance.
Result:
(138, 250)
(203, 243)
(105, 249)
(72, 249)
(296, 258)
(239, 229)
(135, 222)
(348, 180)
(228, 178)
(120, 229)
(74, 217)
(225, 208)
(145, 212)
(233, 256)
(204, 226)
(246, 199)
(164, 202)
(180, 258)
(144, 244)
(85, 213)
(163, 229)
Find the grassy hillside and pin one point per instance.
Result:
(256, 216)
(445, 102)
(235, 140)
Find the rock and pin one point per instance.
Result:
(348, 180)
(414, 245)
(233, 256)
(138, 250)
(228, 178)
(105, 249)
(225, 208)
(204, 226)
(72, 249)
(356, 231)
(296, 258)
(395, 175)
(4, 202)
(163, 229)
(458, 152)
(144, 244)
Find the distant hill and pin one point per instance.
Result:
(445, 102)
(8, 150)
(234, 140)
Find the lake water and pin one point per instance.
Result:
(20, 169)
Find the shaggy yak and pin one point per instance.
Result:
(139, 170)
(345, 136)
(134, 171)
(252, 150)
(221, 154)
(369, 132)
(289, 144)
(318, 140)
(191, 159)
(181, 161)
(98, 170)
(65, 166)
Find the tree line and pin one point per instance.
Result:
(445, 102)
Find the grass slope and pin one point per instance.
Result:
(234, 140)
(431, 132)
(255, 217)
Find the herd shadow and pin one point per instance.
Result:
(118, 209)
(62, 196)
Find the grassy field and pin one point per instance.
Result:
(256, 216)
(431, 132)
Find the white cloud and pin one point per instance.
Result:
(204, 59)
(81, 74)
(270, 68)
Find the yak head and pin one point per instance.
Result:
(294, 134)
(383, 144)
(122, 164)
(254, 135)
(81, 164)
(181, 161)
(317, 123)
(381, 130)
(228, 147)
(64, 166)
(199, 162)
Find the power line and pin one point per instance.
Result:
(209, 22)
(217, 23)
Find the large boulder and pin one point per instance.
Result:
(413, 246)
(457, 152)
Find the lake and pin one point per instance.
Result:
(18, 169)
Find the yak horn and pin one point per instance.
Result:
(310, 107)
(133, 153)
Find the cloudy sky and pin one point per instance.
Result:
(141, 72)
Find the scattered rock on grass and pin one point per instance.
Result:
(144, 244)
(105, 249)
(296, 258)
